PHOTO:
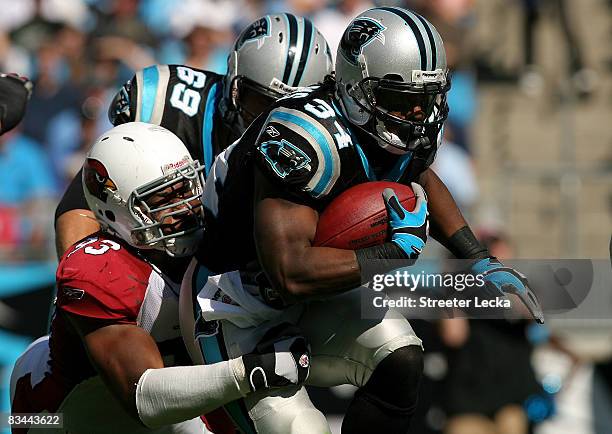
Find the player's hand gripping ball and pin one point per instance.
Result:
(409, 229)
(359, 217)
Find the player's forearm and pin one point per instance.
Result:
(283, 236)
(315, 272)
(171, 395)
(447, 223)
(444, 214)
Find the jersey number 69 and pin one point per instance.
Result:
(187, 99)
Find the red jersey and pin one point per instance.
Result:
(101, 277)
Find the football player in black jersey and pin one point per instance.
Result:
(381, 118)
(274, 55)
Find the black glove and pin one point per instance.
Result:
(280, 359)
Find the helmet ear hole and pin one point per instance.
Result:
(110, 215)
(280, 37)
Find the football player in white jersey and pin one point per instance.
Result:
(115, 361)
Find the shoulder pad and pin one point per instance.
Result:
(120, 111)
(101, 278)
(300, 93)
(145, 96)
(299, 145)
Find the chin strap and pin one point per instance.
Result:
(231, 116)
(419, 145)
(419, 142)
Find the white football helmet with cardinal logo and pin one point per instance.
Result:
(143, 186)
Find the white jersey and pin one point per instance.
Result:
(225, 297)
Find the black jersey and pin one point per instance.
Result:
(181, 99)
(306, 147)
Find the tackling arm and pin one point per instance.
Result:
(73, 226)
(133, 352)
(128, 360)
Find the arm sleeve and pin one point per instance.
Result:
(73, 198)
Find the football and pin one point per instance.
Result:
(357, 218)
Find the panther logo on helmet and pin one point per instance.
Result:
(361, 32)
(257, 31)
(96, 179)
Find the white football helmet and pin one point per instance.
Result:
(393, 79)
(143, 186)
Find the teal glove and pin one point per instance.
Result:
(409, 229)
(506, 280)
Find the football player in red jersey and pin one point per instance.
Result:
(112, 362)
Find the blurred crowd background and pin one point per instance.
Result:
(527, 155)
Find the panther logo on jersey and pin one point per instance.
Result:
(361, 32)
(284, 157)
(257, 31)
(96, 179)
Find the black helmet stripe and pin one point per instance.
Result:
(415, 29)
(292, 47)
(308, 31)
(431, 41)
